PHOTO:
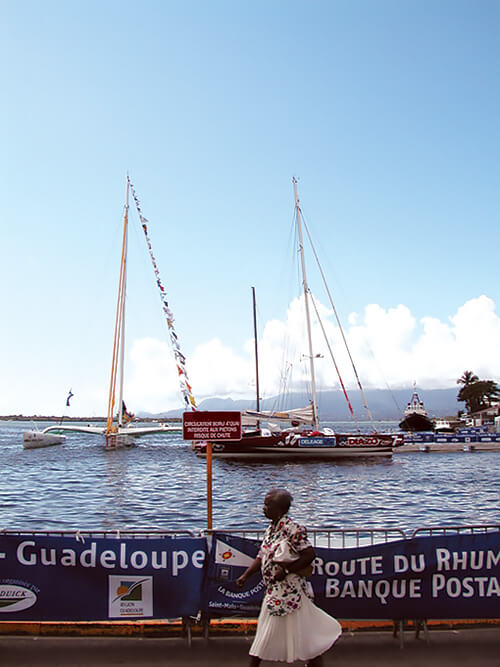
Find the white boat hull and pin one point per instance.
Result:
(37, 439)
(116, 440)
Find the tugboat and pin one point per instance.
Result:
(415, 415)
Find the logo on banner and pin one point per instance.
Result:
(227, 563)
(16, 598)
(227, 555)
(130, 596)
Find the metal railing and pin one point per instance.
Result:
(433, 531)
(343, 538)
(327, 537)
(143, 533)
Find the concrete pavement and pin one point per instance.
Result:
(474, 647)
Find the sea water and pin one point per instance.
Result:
(161, 484)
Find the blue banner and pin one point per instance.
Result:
(62, 578)
(456, 576)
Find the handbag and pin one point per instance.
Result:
(283, 553)
(305, 571)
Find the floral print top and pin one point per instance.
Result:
(283, 597)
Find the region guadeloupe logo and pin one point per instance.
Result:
(16, 597)
(130, 596)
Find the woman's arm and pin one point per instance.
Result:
(251, 569)
(305, 558)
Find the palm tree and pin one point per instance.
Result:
(477, 394)
(467, 378)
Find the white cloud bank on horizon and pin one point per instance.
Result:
(389, 348)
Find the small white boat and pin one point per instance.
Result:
(443, 426)
(35, 439)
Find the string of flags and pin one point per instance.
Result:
(180, 359)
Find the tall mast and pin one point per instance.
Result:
(306, 301)
(256, 351)
(118, 347)
(124, 299)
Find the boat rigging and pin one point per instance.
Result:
(119, 428)
(299, 442)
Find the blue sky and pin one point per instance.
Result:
(387, 113)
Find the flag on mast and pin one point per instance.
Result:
(126, 415)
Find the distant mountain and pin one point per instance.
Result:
(383, 404)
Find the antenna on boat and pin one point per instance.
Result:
(306, 301)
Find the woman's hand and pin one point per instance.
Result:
(280, 573)
(241, 580)
(254, 567)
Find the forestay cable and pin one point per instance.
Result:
(365, 404)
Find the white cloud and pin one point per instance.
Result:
(218, 370)
(152, 379)
(380, 344)
(389, 347)
(477, 328)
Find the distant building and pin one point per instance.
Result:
(484, 417)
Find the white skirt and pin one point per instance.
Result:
(301, 635)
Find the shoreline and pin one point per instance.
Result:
(52, 418)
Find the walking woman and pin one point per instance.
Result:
(290, 626)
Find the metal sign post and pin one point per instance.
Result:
(209, 485)
(210, 426)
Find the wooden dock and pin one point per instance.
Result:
(432, 447)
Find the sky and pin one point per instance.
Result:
(386, 112)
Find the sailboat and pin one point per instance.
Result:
(120, 429)
(34, 439)
(47, 437)
(305, 439)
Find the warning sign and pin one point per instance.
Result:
(211, 426)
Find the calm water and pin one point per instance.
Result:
(160, 483)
